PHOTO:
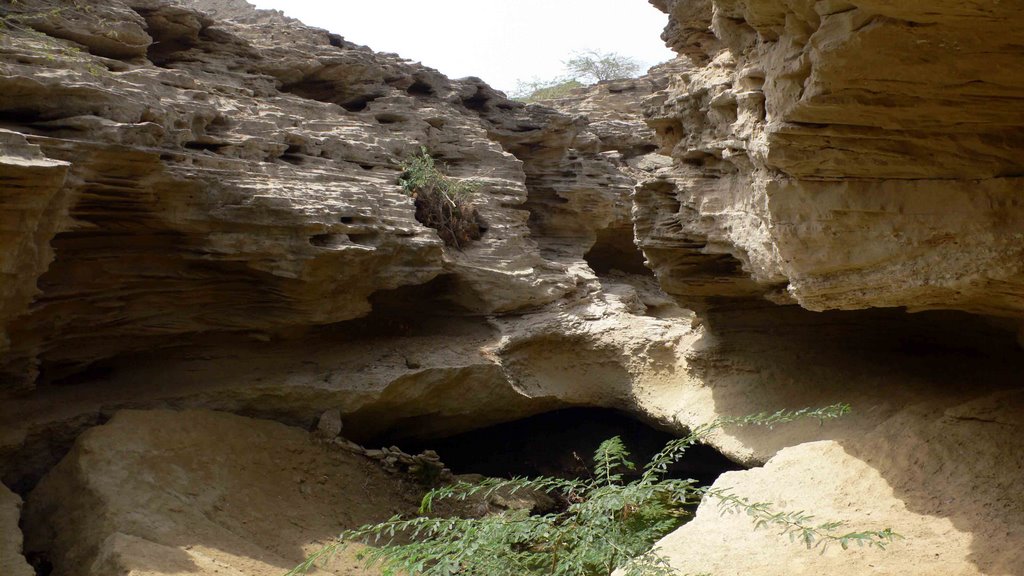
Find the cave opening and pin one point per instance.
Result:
(614, 250)
(561, 444)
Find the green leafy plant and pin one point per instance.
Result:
(604, 524)
(598, 66)
(581, 69)
(442, 203)
(539, 90)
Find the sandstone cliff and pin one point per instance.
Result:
(847, 156)
(200, 209)
(841, 155)
(224, 192)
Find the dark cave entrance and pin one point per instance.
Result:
(561, 444)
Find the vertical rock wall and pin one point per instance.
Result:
(849, 156)
(842, 155)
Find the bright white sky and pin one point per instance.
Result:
(501, 41)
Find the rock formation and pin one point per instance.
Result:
(194, 492)
(11, 560)
(846, 156)
(201, 210)
(841, 155)
(221, 190)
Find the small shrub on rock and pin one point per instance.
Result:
(604, 523)
(442, 202)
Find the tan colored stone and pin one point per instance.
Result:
(918, 474)
(12, 563)
(225, 213)
(201, 492)
(841, 156)
(243, 178)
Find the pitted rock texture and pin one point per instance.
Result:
(201, 210)
(241, 176)
(841, 155)
(223, 214)
(192, 181)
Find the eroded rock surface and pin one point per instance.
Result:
(841, 155)
(938, 476)
(200, 209)
(217, 187)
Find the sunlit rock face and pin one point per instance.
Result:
(841, 155)
(201, 208)
(11, 560)
(229, 177)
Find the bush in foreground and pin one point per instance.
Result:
(604, 523)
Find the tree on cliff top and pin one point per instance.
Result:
(599, 66)
(582, 68)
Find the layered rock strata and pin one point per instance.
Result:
(849, 156)
(201, 210)
(205, 185)
(841, 155)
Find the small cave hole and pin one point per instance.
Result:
(294, 155)
(207, 146)
(327, 240)
(562, 443)
(364, 238)
(436, 308)
(477, 102)
(356, 104)
(357, 219)
(615, 250)
(420, 88)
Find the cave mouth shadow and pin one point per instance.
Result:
(936, 397)
(561, 444)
